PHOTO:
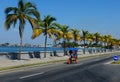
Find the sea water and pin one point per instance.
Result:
(28, 49)
(32, 49)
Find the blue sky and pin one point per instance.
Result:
(101, 16)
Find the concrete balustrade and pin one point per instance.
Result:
(40, 55)
(28, 55)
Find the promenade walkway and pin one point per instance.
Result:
(12, 63)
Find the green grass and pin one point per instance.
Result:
(116, 62)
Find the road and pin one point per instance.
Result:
(89, 70)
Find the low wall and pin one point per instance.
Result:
(28, 55)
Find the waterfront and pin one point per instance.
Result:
(35, 49)
(28, 49)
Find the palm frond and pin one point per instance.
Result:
(21, 5)
(10, 19)
(48, 19)
(36, 32)
(33, 13)
(11, 10)
(33, 22)
(29, 5)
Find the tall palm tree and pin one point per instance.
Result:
(46, 27)
(21, 13)
(97, 38)
(84, 36)
(90, 39)
(63, 33)
(110, 40)
(107, 39)
(76, 35)
(116, 43)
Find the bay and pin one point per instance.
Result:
(28, 49)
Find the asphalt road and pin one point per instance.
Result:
(89, 70)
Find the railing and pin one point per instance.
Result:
(40, 54)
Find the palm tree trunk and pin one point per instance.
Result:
(45, 46)
(54, 44)
(64, 43)
(84, 47)
(19, 55)
(105, 46)
(74, 44)
(21, 27)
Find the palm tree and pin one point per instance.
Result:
(24, 11)
(84, 36)
(90, 39)
(46, 27)
(97, 38)
(107, 39)
(76, 35)
(63, 32)
(110, 41)
(116, 43)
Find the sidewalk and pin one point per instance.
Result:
(12, 63)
